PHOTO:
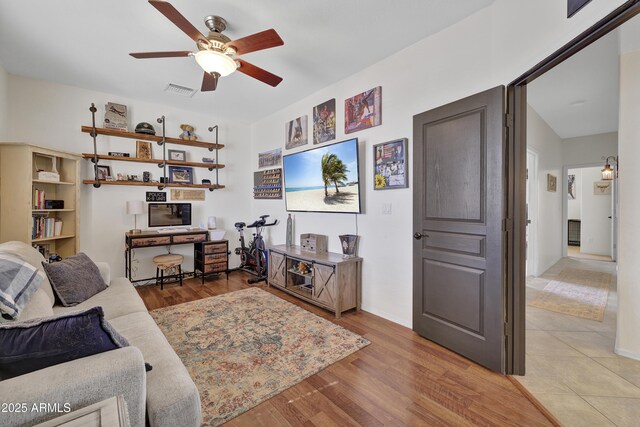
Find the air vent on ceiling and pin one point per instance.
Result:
(180, 90)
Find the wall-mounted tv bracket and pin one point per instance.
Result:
(211, 129)
(161, 143)
(94, 134)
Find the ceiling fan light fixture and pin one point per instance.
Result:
(215, 62)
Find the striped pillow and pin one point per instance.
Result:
(18, 282)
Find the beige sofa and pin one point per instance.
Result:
(166, 394)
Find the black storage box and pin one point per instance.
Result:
(54, 204)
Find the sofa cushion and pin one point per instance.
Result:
(119, 299)
(32, 256)
(39, 343)
(39, 306)
(172, 396)
(74, 279)
(19, 280)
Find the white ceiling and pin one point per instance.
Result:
(580, 96)
(85, 43)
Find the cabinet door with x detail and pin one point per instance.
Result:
(324, 289)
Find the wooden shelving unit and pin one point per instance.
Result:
(144, 137)
(210, 166)
(19, 165)
(154, 184)
(162, 140)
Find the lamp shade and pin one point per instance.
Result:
(211, 223)
(135, 207)
(215, 62)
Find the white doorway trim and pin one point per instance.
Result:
(532, 212)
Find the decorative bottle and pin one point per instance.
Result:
(289, 231)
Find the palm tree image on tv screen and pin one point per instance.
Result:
(323, 179)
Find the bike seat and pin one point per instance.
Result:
(239, 225)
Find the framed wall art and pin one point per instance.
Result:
(143, 150)
(363, 111)
(324, 122)
(177, 155)
(295, 133)
(390, 165)
(552, 183)
(270, 158)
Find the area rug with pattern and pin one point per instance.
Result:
(246, 346)
(576, 292)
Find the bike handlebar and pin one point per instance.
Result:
(261, 223)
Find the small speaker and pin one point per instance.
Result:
(206, 181)
(163, 180)
(54, 204)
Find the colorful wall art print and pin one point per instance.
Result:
(324, 122)
(390, 160)
(296, 133)
(270, 158)
(363, 110)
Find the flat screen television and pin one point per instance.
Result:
(169, 214)
(323, 179)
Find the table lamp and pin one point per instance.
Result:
(135, 208)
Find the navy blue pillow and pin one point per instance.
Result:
(36, 344)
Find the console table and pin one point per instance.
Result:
(148, 239)
(329, 280)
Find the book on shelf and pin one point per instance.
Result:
(43, 227)
(38, 199)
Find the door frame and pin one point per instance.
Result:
(516, 162)
(532, 241)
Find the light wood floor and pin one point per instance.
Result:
(400, 379)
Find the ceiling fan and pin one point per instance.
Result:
(216, 51)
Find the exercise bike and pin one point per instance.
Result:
(253, 258)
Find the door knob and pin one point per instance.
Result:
(419, 236)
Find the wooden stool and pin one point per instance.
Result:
(165, 262)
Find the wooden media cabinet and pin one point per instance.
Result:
(329, 280)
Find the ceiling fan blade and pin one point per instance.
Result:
(258, 73)
(147, 55)
(180, 21)
(258, 41)
(209, 82)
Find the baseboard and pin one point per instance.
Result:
(387, 316)
(626, 353)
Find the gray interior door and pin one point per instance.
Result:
(459, 227)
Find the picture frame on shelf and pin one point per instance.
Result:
(177, 155)
(104, 172)
(143, 150)
(180, 175)
(390, 165)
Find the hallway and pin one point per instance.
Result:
(571, 368)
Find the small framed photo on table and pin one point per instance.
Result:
(180, 175)
(177, 155)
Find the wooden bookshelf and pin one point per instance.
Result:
(210, 166)
(144, 137)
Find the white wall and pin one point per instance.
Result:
(548, 145)
(50, 115)
(589, 149)
(574, 206)
(627, 338)
(595, 228)
(4, 103)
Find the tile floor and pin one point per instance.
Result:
(571, 367)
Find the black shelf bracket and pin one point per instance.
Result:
(94, 135)
(211, 129)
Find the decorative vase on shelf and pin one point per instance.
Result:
(289, 231)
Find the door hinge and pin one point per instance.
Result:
(507, 224)
(508, 120)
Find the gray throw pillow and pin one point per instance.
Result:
(19, 280)
(74, 279)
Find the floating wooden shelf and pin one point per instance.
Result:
(154, 184)
(143, 136)
(42, 181)
(210, 166)
(45, 239)
(52, 210)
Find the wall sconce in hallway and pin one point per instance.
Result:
(607, 172)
